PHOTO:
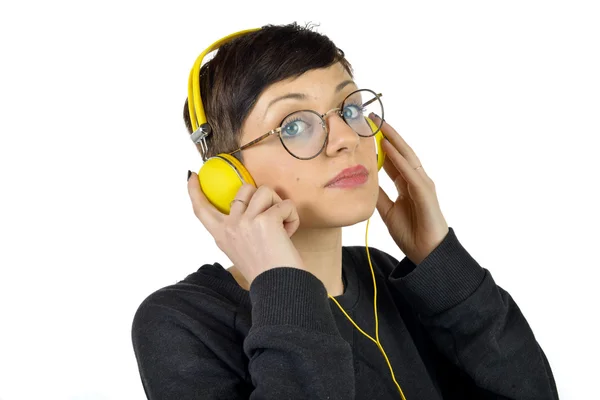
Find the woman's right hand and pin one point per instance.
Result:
(255, 235)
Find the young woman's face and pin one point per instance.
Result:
(305, 181)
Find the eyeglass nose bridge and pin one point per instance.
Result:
(323, 116)
(338, 109)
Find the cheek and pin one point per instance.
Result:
(296, 184)
(284, 176)
(369, 154)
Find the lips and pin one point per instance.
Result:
(356, 172)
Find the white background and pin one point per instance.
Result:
(501, 102)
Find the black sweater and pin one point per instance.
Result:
(448, 330)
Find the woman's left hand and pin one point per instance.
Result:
(414, 220)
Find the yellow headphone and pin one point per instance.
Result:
(221, 176)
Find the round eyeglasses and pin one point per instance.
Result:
(304, 133)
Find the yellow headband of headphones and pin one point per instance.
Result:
(197, 117)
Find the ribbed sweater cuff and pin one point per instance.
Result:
(446, 277)
(291, 296)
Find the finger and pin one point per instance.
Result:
(388, 166)
(244, 193)
(384, 204)
(395, 176)
(262, 199)
(286, 213)
(203, 209)
(397, 141)
(412, 178)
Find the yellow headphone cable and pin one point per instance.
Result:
(376, 341)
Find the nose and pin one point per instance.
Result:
(341, 137)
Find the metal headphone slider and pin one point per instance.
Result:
(202, 132)
(199, 137)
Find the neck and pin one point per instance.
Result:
(321, 251)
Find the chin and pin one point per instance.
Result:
(351, 217)
(340, 211)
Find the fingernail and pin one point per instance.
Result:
(189, 174)
(375, 115)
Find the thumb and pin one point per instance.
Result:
(384, 204)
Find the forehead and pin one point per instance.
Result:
(315, 83)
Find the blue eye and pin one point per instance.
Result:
(294, 128)
(352, 112)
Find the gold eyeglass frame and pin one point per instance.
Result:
(339, 111)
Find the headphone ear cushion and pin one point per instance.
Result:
(378, 138)
(220, 179)
(380, 153)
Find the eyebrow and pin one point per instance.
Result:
(302, 96)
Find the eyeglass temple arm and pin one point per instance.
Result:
(258, 139)
(372, 100)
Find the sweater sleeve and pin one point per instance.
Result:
(294, 348)
(475, 323)
(174, 363)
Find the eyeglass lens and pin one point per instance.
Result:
(303, 133)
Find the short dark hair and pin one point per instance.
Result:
(243, 68)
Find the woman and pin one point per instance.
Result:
(293, 317)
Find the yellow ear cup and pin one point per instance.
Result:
(220, 178)
(378, 139)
